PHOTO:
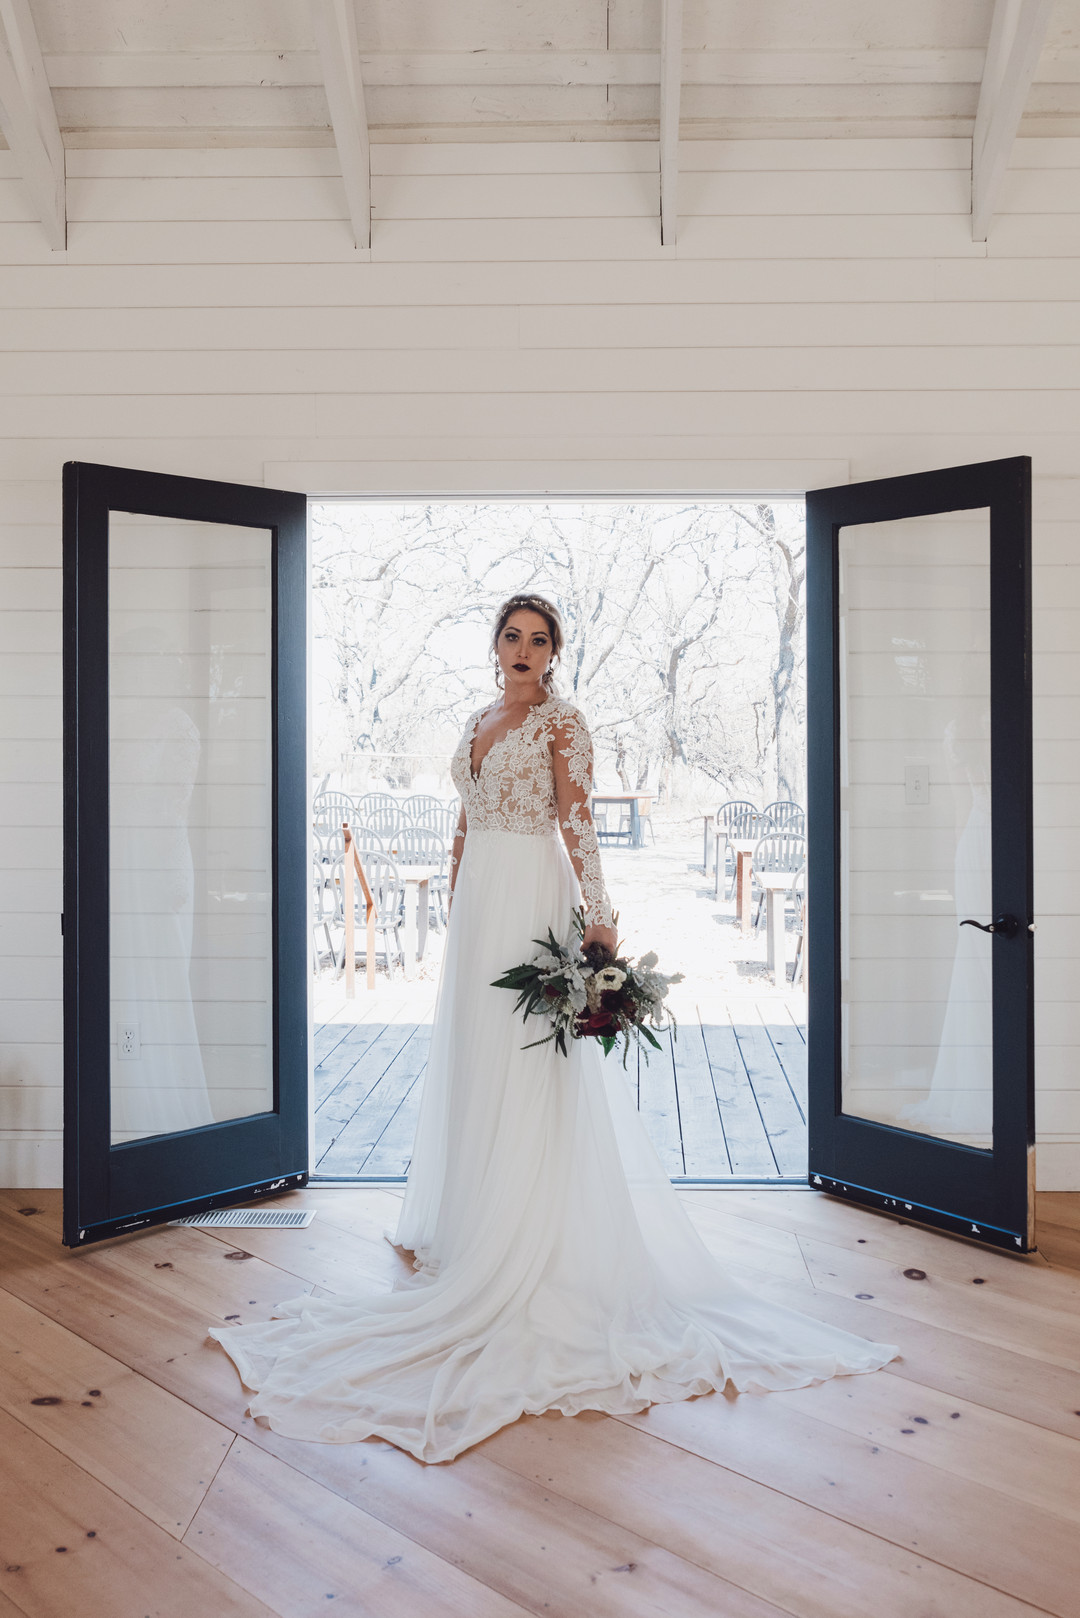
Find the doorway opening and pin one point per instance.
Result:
(685, 650)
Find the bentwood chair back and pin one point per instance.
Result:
(782, 851)
(441, 818)
(735, 820)
(329, 809)
(415, 807)
(325, 913)
(381, 818)
(784, 815)
(419, 845)
(371, 801)
(328, 846)
(387, 890)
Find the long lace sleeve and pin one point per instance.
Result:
(573, 762)
(457, 848)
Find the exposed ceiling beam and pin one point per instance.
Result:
(1017, 33)
(671, 73)
(335, 35)
(274, 69)
(28, 120)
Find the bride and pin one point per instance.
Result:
(554, 1266)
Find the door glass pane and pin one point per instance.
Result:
(189, 824)
(915, 825)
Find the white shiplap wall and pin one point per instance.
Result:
(517, 327)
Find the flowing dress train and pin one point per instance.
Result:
(555, 1267)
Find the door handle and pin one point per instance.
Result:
(1007, 925)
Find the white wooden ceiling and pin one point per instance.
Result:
(193, 71)
(251, 72)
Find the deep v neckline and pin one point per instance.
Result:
(475, 774)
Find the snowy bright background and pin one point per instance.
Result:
(684, 626)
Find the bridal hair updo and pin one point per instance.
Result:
(548, 611)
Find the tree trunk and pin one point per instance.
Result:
(788, 576)
(620, 762)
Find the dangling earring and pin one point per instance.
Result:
(498, 671)
(549, 673)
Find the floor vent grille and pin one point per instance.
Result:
(249, 1218)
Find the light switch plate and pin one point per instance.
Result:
(917, 783)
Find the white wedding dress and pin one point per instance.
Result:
(555, 1267)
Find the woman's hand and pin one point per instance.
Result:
(600, 935)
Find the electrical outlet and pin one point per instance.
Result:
(127, 1041)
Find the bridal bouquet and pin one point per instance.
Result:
(591, 994)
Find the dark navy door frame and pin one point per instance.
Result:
(110, 1188)
(988, 1195)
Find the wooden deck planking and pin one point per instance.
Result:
(658, 1105)
(370, 1051)
(723, 1099)
(789, 1042)
(354, 1144)
(392, 1151)
(744, 1129)
(342, 1060)
(705, 1152)
(784, 1121)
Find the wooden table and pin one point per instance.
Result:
(776, 884)
(743, 848)
(635, 800)
(417, 880)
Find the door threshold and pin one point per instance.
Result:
(328, 1181)
(781, 1182)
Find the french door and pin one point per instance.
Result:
(920, 946)
(185, 846)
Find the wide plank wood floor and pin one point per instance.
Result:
(725, 1098)
(945, 1486)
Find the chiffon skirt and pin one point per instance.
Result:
(555, 1267)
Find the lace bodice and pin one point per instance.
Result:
(534, 780)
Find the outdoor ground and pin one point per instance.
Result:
(725, 1101)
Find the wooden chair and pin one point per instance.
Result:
(604, 814)
(777, 851)
(644, 814)
(371, 892)
(368, 840)
(798, 970)
(328, 843)
(382, 819)
(414, 808)
(784, 815)
(738, 818)
(372, 801)
(419, 845)
(330, 809)
(442, 818)
(327, 911)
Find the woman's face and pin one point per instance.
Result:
(524, 648)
